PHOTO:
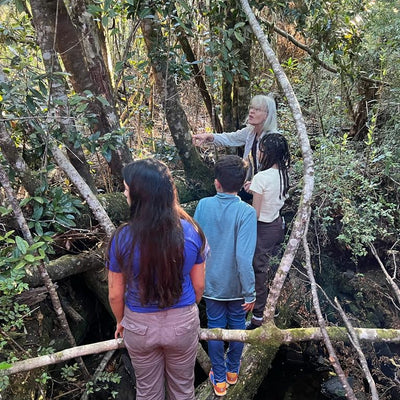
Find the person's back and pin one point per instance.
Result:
(230, 227)
(269, 188)
(153, 290)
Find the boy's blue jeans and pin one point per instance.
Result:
(230, 315)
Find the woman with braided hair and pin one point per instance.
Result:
(269, 188)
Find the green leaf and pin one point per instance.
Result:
(4, 365)
(5, 211)
(82, 107)
(36, 245)
(29, 258)
(20, 265)
(37, 213)
(38, 229)
(239, 37)
(21, 244)
(103, 100)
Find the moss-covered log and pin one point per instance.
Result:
(65, 266)
(265, 341)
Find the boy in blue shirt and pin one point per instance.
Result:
(230, 226)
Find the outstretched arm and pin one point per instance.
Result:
(202, 138)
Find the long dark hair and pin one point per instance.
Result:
(156, 230)
(274, 149)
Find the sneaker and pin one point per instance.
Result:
(232, 377)
(219, 387)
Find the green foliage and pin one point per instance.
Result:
(15, 255)
(68, 372)
(352, 191)
(102, 382)
(53, 210)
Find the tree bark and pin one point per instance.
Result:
(264, 338)
(175, 115)
(95, 56)
(45, 22)
(66, 266)
(88, 72)
(198, 78)
(29, 181)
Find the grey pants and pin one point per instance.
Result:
(269, 238)
(163, 348)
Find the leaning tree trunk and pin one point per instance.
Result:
(95, 56)
(10, 152)
(45, 33)
(175, 115)
(198, 78)
(82, 58)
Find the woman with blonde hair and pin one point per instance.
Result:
(261, 121)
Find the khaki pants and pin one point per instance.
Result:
(163, 348)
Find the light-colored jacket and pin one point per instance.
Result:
(242, 137)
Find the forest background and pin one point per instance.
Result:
(85, 87)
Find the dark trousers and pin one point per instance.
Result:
(269, 239)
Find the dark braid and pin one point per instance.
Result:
(275, 150)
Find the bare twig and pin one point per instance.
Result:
(312, 54)
(390, 280)
(321, 322)
(356, 344)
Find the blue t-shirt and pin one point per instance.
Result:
(192, 256)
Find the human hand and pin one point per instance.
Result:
(246, 186)
(119, 332)
(202, 138)
(248, 306)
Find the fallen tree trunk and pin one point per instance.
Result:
(261, 340)
(65, 266)
(256, 361)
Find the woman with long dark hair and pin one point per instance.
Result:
(155, 278)
(269, 188)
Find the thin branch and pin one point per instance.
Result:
(99, 370)
(42, 269)
(356, 344)
(321, 322)
(390, 280)
(313, 55)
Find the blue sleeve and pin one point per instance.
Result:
(193, 245)
(246, 244)
(112, 256)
